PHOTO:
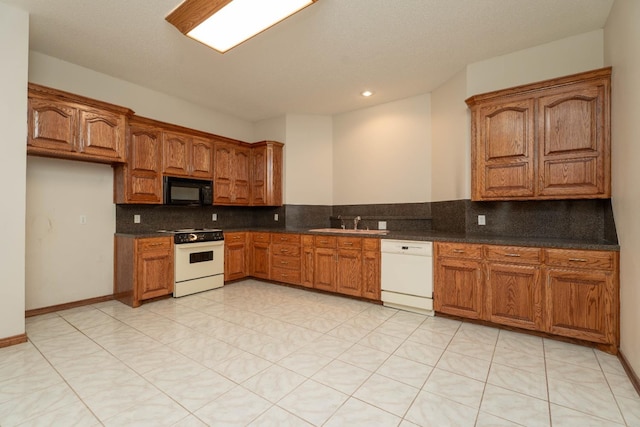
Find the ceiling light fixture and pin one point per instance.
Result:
(367, 93)
(224, 24)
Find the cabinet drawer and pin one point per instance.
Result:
(514, 254)
(235, 237)
(284, 275)
(285, 238)
(307, 240)
(285, 250)
(325, 241)
(260, 237)
(154, 243)
(349, 242)
(459, 250)
(286, 262)
(371, 244)
(604, 260)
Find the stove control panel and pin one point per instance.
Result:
(198, 236)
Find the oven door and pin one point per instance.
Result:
(197, 260)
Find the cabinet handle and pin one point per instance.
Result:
(156, 244)
(283, 275)
(348, 243)
(577, 260)
(512, 255)
(283, 239)
(458, 251)
(284, 251)
(284, 263)
(324, 242)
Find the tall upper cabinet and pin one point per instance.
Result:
(266, 178)
(546, 140)
(73, 127)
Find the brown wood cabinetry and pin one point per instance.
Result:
(547, 140)
(371, 269)
(349, 268)
(306, 261)
(68, 126)
(266, 173)
(187, 156)
(285, 258)
(572, 293)
(458, 279)
(144, 268)
(259, 258)
(139, 180)
(235, 256)
(324, 263)
(231, 173)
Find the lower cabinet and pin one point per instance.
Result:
(285, 258)
(371, 273)
(144, 268)
(349, 266)
(235, 256)
(259, 256)
(571, 293)
(306, 261)
(324, 263)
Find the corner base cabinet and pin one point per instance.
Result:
(564, 292)
(143, 268)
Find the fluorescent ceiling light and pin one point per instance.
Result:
(223, 24)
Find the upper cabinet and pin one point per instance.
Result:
(266, 177)
(187, 156)
(547, 140)
(68, 126)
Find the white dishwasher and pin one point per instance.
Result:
(407, 275)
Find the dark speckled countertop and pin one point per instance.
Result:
(440, 236)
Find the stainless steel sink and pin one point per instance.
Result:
(349, 231)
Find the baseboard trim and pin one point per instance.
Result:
(635, 380)
(66, 306)
(16, 339)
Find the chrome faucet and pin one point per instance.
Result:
(341, 221)
(356, 220)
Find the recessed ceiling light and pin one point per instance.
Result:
(224, 24)
(367, 93)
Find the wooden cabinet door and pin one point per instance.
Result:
(144, 180)
(324, 269)
(235, 256)
(259, 176)
(573, 141)
(514, 295)
(175, 154)
(201, 158)
(307, 266)
(222, 175)
(241, 176)
(102, 134)
(371, 273)
(503, 150)
(52, 125)
(579, 305)
(458, 287)
(260, 260)
(154, 268)
(266, 174)
(349, 272)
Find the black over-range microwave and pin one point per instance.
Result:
(187, 191)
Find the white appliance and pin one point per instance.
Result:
(198, 261)
(407, 275)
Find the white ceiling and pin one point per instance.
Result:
(316, 62)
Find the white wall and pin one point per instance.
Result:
(66, 260)
(382, 154)
(559, 58)
(622, 47)
(14, 45)
(451, 148)
(309, 160)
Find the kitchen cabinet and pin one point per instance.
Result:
(306, 261)
(371, 274)
(546, 140)
(187, 156)
(285, 258)
(266, 173)
(235, 256)
(324, 263)
(582, 295)
(513, 286)
(457, 285)
(260, 251)
(144, 268)
(349, 266)
(231, 173)
(68, 126)
(563, 292)
(139, 180)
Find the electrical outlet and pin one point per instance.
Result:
(382, 225)
(214, 217)
(275, 217)
(83, 219)
(136, 219)
(482, 220)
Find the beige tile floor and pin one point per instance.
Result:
(259, 354)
